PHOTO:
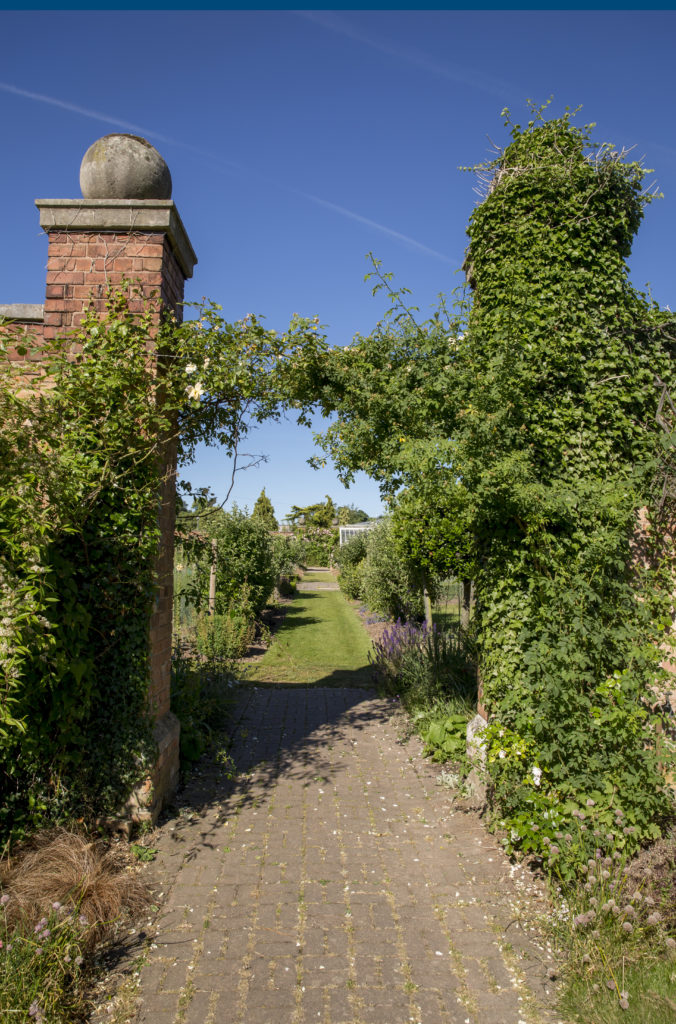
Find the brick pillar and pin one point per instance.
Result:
(95, 244)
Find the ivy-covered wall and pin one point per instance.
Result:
(559, 448)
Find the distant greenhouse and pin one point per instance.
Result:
(355, 529)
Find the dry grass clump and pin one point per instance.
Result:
(71, 870)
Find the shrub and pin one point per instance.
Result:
(390, 585)
(351, 580)
(244, 558)
(422, 665)
(353, 552)
(225, 636)
(201, 688)
(285, 555)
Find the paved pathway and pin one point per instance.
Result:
(329, 585)
(331, 881)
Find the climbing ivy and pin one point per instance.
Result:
(558, 446)
(530, 454)
(82, 460)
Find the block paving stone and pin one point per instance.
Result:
(329, 879)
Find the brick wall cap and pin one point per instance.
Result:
(150, 216)
(23, 312)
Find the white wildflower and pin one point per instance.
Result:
(537, 774)
(195, 391)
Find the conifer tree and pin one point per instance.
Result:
(264, 511)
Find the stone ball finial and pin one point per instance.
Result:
(124, 167)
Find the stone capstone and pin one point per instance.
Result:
(124, 167)
(23, 312)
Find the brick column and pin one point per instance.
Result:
(95, 244)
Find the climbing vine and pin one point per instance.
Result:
(517, 432)
(83, 453)
(558, 446)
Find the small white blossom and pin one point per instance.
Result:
(190, 368)
(502, 753)
(537, 774)
(195, 391)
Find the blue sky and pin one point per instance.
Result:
(298, 142)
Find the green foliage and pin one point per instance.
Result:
(82, 463)
(431, 526)
(517, 441)
(350, 514)
(353, 552)
(285, 555)
(313, 546)
(264, 511)
(393, 392)
(557, 444)
(201, 691)
(351, 560)
(321, 516)
(244, 559)
(351, 581)
(90, 543)
(228, 636)
(445, 738)
(318, 546)
(42, 969)
(390, 585)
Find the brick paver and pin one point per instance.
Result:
(331, 881)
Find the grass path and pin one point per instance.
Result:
(321, 642)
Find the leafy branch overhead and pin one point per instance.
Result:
(83, 461)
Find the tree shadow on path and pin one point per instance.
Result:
(278, 732)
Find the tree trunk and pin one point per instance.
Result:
(466, 606)
(212, 580)
(427, 605)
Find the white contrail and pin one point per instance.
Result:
(96, 115)
(373, 224)
(73, 108)
(117, 122)
(453, 72)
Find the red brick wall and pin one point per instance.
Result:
(26, 334)
(81, 265)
